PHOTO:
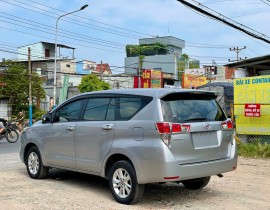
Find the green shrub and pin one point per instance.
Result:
(38, 114)
(254, 150)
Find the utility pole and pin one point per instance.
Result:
(139, 72)
(30, 87)
(237, 50)
(101, 71)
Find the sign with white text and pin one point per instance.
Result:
(252, 110)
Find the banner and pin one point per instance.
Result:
(149, 79)
(192, 81)
(252, 105)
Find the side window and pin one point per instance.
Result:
(100, 109)
(128, 107)
(69, 112)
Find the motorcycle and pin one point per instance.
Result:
(9, 133)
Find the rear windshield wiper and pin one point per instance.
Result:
(196, 119)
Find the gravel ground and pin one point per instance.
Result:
(246, 188)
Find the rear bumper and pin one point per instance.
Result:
(152, 172)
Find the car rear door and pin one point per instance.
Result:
(204, 134)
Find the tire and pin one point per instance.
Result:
(122, 176)
(196, 184)
(34, 165)
(12, 135)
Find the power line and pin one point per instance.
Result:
(69, 19)
(95, 20)
(102, 41)
(37, 24)
(60, 40)
(65, 36)
(207, 46)
(227, 21)
(266, 2)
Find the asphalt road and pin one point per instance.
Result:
(6, 147)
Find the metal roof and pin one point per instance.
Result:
(258, 63)
(59, 45)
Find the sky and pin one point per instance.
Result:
(102, 30)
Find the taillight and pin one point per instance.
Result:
(163, 127)
(176, 128)
(172, 128)
(227, 125)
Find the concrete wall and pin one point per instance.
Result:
(85, 67)
(168, 64)
(37, 52)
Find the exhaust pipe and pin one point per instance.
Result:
(220, 175)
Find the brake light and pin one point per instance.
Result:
(172, 128)
(227, 125)
(163, 127)
(176, 128)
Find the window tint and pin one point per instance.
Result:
(188, 109)
(98, 109)
(70, 112)
(130, 106)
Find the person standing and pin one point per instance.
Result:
(20, 120)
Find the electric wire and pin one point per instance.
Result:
(70, 20)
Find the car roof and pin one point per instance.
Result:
(153, 92)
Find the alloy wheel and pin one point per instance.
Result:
(122, 184)
(33, 163)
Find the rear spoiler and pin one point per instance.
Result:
(194, 95)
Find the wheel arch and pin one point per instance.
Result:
(113, 159)
(27, 148)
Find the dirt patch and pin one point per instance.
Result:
(246, 188)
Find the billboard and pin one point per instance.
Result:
(252, 105)
(150, 79)
(192, 81)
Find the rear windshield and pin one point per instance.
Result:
(181, 108)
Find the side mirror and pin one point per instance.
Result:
(47, 118)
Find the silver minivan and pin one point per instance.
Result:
(134, 137)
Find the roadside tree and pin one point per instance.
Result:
(16, 79)
(91, 82)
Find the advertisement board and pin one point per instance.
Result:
(192, 81)
(149, 79)
(252, 105)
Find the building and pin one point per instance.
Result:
(85, 67)
(257, 66)
(102, 69)
(167, 62)
(43, 60)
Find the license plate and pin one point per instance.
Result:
(204, 140)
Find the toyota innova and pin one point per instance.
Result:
(133, 137)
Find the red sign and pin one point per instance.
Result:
(149, 79)
(252, 110)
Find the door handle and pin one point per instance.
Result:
(71, 128)
(107, 127)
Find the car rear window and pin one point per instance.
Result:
(190, 107)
